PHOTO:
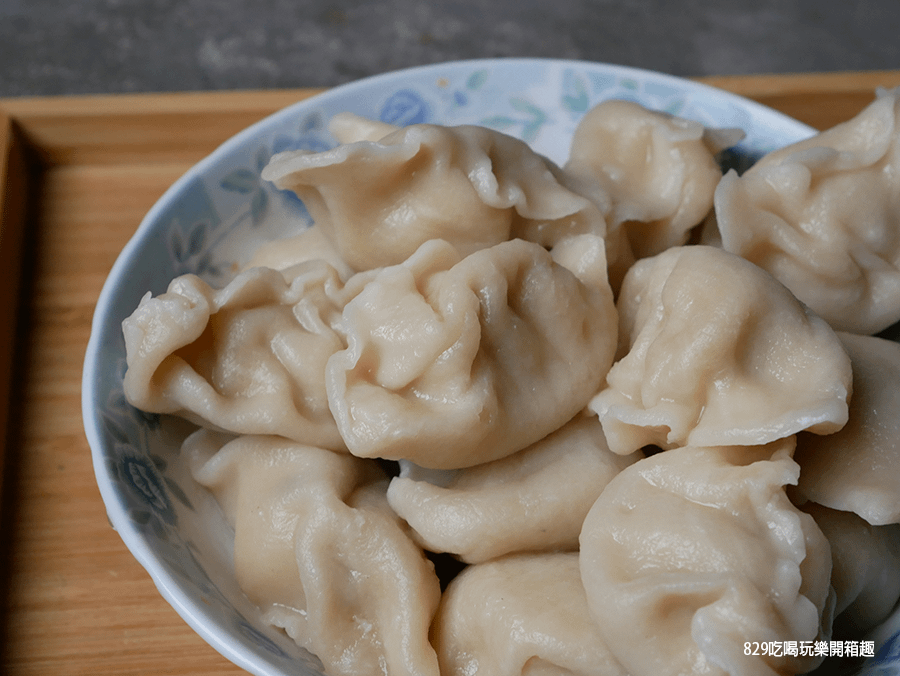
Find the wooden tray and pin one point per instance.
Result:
(79, 174)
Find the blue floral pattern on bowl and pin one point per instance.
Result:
(886, 661)
(210, 221)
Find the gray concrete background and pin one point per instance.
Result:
(50, 47)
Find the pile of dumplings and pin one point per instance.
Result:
(636, 408)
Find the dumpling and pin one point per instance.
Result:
(714, 351)
(522, 615)
(866, 567)
(351, 128)
(691, 553)
(267, 488)
(823, 216)
(471, 186)
(307, 245)
(659, 171)
(533, 500)
(455, 362)
(858, 468)
(319, 551)
(249, 358)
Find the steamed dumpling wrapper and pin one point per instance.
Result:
(659, 171)
(307, 245)
(858, 468)
(378, 201)
(533, 500)
(691, 553)
(455, 362)
(352, 128)
(823, 216)
(866, 567)
(267, 488)
(714, 351)
(249, 358)
(523, 615)
(319, 551)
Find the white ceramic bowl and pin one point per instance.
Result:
(210, 220)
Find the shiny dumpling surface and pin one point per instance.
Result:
(533, 500)
(858, 468)
(319, 551)
(714, 351)
(307, 245)
(378, 201)
(248, 358)
(697, 551)
(455, 362)
(522, 615)
(658, 171)
(823, 216)
(352, 128)
(865, 570)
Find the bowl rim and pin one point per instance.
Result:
(187, 608)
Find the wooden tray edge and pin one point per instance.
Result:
(140, 128)
(18, 179)
(768, 85)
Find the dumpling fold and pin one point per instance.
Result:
(691, 553)
(378, 201)
(865, 569)
(319, 550)
(455, 362)
(658, 171)
(523, 615)
(714, 351)
(823, 216)
(858, 468)
(248, 358)
(307, 245)
(534, 500)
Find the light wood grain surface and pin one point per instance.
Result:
(76, 602)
